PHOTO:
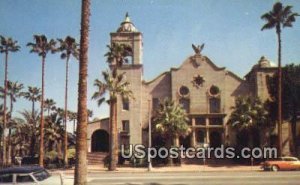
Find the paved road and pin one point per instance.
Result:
(193, 178)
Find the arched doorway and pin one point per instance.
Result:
(215, 139)
(100, 141)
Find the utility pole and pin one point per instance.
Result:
(149, 132)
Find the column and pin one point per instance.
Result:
(207, 130)
(193, 138)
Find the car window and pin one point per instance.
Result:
(24, 178)
(41, 175)
(6, 178)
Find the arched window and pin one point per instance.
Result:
(185, 103)
(214, 105)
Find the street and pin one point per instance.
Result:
(193, 178)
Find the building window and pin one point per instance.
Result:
(214, 91)
(125, 126)
(184, 91)
(200, 121)
(185, 104)
(216, 121)
(200, 136)
(214, 105)
(198, 81)
(125, 102)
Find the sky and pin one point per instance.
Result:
(230, 29)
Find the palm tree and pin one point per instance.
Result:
(116, 86)
(279, 17)
(13, 92)
(49, 105)
(42, 47)
(117, 54)
(30, 130)
(33, 94)
(69, 48)
(81, 144)
(171, 121)
(54, 132)
(248, 115)
(6, 45)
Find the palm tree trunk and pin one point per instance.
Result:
(41, 156)
(278, 31)
(81, 139)
(4, 112)
(66, 115)
(9, 156)
(113, 136)
(33, 140)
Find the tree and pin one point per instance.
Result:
(68, 47)
(7, 45)
(49, 105)
(54, 133)
(41, 46)
(171, 121)
(290, 96)
(279, 17)
(13, 92)
(117, 54)
(28, 131)
(249, 114)
(116, 86)
(33, 94)
(81, 136)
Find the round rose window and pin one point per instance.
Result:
(184, 91)
(214, 90)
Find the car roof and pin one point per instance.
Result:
(21, 169)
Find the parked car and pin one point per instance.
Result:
(29, 175)
(282, 163)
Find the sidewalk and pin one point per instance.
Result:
(182, 168)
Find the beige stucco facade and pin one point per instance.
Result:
(206, 91)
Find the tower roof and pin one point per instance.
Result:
(127, 25)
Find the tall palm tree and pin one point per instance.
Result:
(49, 105)
(33, 94)
(41, 46)
(279, 17)
(7, 45)
(68, 47)
(13, 92)
(81, 144)
(116, 86)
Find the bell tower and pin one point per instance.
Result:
(129, 111)
(128, 34)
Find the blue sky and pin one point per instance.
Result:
(230, 30)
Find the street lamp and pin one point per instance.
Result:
(149, 132)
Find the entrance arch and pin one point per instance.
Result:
(100, 141)
(215, 139)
